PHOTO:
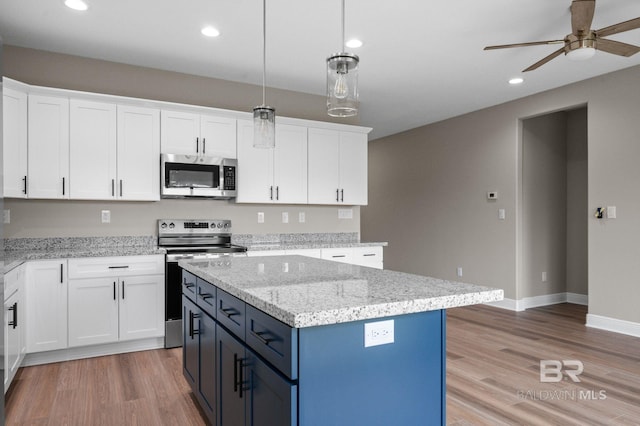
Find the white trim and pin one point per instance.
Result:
(93, 351)
(613, 324)
(578, 299)
(537, 301)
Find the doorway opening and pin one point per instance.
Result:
(553, 209)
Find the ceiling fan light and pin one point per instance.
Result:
(581, 54)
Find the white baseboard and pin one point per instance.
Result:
(613, 324)
(537, 301)
(92, 351)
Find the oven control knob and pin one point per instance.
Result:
(219, 225)
(226, 225)
(163, 225)
(213, 225)
(172, 225)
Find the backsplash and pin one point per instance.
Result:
(77, 243)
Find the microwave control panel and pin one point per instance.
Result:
(229, 178)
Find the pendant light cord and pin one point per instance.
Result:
(343, 40)
(264, 49)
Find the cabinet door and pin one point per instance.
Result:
(231, 383)
(290, 164)
(218, 136)
(13, 326)
(141, 306)
(207, 355)
(255, 168)
(324, 166)
(353, 168)
(138, 153)
(190, 343)
(271, 400)
(48, 147)
(93, 311)
(343, 255)
(92, 150)
(46, 298)
(179, 133)
(15, 143)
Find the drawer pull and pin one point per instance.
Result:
(14, 308)
(205, 296)
(119, 267)
(192, 330)
(229, 312)
(188, 285)
(369, 254)
(258, 335)
(339, 255)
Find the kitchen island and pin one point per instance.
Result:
(292, 340)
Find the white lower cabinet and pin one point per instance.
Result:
(371, 257)
(15, 345)
(46, 304)
(109, 301)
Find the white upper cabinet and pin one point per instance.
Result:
(337, 167)
(276, 175)
(15, 143)
(92, 150)
(115, 152)
(48, 147)
(195, 134)
(138, 153)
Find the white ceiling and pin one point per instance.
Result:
(422, 60)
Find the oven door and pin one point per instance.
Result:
(173, 293)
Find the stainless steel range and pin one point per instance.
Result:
(197, 239)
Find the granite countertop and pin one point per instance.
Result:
(302, 241)
(306, 292)
(18, 251)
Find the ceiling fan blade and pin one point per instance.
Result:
(616, 47)
(619, 28)
(582, 12)
(545, 60)
(533, 43)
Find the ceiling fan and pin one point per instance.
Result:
(583, 41)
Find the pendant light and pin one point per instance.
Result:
(342, 81)
(264, 117)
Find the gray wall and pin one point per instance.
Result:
(431, 183)
(544, 206)
(33, 218)
(577, 202)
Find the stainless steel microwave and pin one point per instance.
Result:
(185, 176)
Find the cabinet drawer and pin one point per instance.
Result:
(274, 340)
(231, 313)
(206, 297)
(12, 280)
(368, 256)
(121, 266)
(189, 285)
(344, 255)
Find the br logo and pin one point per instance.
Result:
(551, 370)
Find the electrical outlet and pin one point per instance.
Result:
(502, 214)
(544, 277)
(106, 216)
(7, 216)
(285, 217)
(301, 217)
(459, 271)
(378, 333)
(260, 217)
(345, 213)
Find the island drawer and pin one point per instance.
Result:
(274, 340)
(231, 313)
(206, 296)
(189, 285)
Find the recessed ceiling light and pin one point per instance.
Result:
(516, 80)
(354, 43)
(210, 31)
(76, 4)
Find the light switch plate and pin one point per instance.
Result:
(611, 212)
(106, 216)
(260, 217)
(302, 217)
(378, 333)
(7, 216)
(345, 213)
(285, 217)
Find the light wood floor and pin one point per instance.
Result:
(493, 360)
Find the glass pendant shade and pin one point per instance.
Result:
(264, 127)
(342, 85)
